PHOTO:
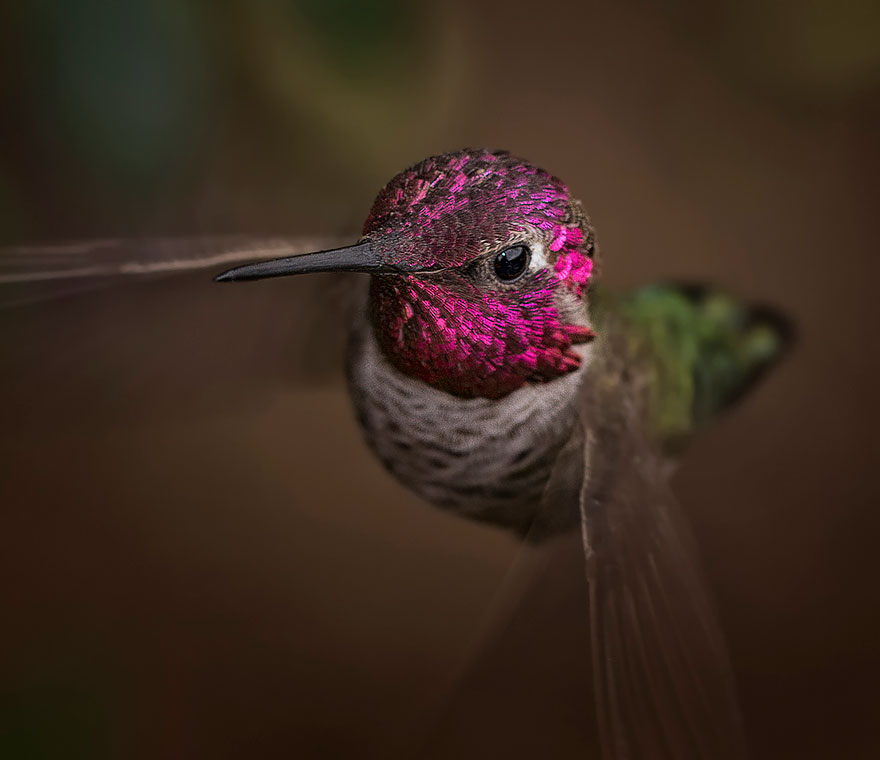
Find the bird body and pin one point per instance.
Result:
(493, 378)
(690, 353)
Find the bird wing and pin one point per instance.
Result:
(663, 682)
(38, 273)
(151, 330)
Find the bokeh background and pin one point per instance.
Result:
(199, 557)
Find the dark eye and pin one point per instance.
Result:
(511, 263)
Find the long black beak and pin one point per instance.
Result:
(352, 258)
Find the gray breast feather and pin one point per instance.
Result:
(487, 459)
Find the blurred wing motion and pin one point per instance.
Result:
(663, 683)
(35, 273)
(670, 359)
(152, 334)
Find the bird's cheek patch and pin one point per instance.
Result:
(573, 269)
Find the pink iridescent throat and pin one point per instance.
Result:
(472, 343)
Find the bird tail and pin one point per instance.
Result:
(708, 349)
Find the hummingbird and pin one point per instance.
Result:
(493, 375)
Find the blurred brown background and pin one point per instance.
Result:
(199, 557)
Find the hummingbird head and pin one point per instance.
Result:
(493, 256)
(480, 265)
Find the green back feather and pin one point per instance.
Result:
(701, 350)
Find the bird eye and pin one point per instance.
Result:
(511, 263)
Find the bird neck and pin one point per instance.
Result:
(487, 458)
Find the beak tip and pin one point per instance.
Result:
(225, 277)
